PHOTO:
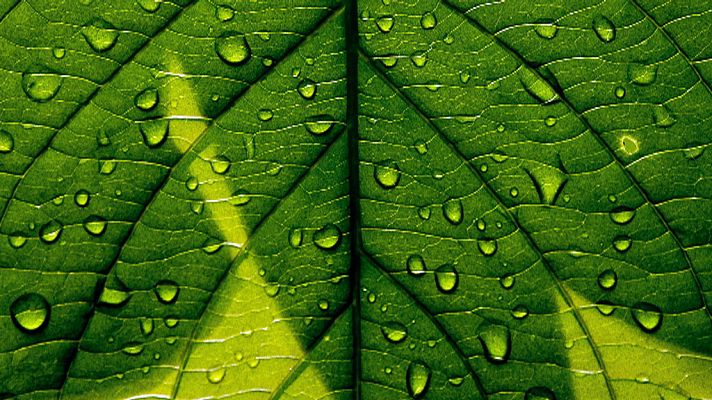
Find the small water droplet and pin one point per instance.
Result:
(40, 85)
(296, 237)
(419, 59)
(307, 89)
(371, 297)
(520, 312)
(220, 165)
(192, 183)
(166, 291)
(265, 114)
(464, 76)
(30, 312)
(514, 192)
(224, 13)
(620, 92)
(323, 305)
(622, 215)
(453, 211)
(113, 297)
(272, 289)
(239, 198)
(648, 316)
(418, 379)
(622, 244)
(394, 332)
(232, 48)
(146, 100)
(642, 75)
(50, 232)
(428, 21)
(487, 247)
(536, 86)
(133, 348)
(59, 52)
(608, 279)
(389, 61)
(197, 207)
(100, 35)
(327, 237)
(319, 125)
(387, 174)
(385, 24)
(150, 6)
(424, 212)
(146, 325)
(507, 281)
(539, 393)
(7, 143)
(154, 132)
(95, 225)
(546, 30)
(415, 265)
(446, 278)
(82, 198)
(216, 375)
(604, 28)
(605, 307)
(663, 117)
(496, 341)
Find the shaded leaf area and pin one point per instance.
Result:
(534, 199)
(107, 192)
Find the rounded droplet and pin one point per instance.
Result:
(100, 35)
(154, 132)
(146, 325)
(41, 86)
(319, 125)
(394, 332)
(507, 281)
(50, 232)
(605, 307)
(323, 304)
(620, 92)
(216, 375)
(487, 247)
(453, 212)
(389, 61)
(307, 89)
(496, 341)
(622, 244)
(220, 165)
(239, 198)
(59, 52)
(224, 13)
(82, 198)
(608, 279)
(424, 213)
(428, 21)
(642, 75)
(419, 59)
(95, 225)
(146, 100)
(192, 183)
(550, 121)
(546, 30)
(648, 316)
(327, 237)
(539, 393)
(30, 312)
(385, 24)
(272, 289)
(7, 143)
(212, 245)
(604, 28)
(150, 6)
(265, 114)
(232, 48)
(446, 278)
(415, 265)
(113, 297)
(166, 291)
(16, 240)
(520, 312)
(464, 76)
(622, 215)
(133, 349)
(418, 379)
(296, 237)
(387, 174)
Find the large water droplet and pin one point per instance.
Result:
(507, 281)
(239, 198)
(642, 75)
(100, 35)
(453, 212)
(622, 244)
(385, 24)
(30, 312)
(319, 125)
(415, 265)
(16, 240)
(546, 30)
(216, 375)
(95, 225)
(496, 343)
(327, 237)
(7, 143)
(394, 332)
(419, 59)
(307, 89)
(622, 215)
(224, 13)
(150, 6)
(166, 291)
(418, 379)
(539, 393)
(428, 21)
(154, 132)
(40, 86)
(446, 278)
(220, 165)
(549, 183)
(608, 279)
(50, 232)
(648, 316)
(604, 28)
(232, 48)
(146, 100)
(387, 174)
(82, 198)
(487, 247)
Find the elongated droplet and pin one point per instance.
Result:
(100, 35)
(146, 325)
(307, 89)
(113, 297)
(446, 278)
(394, 332)
(520, 311)
(220, 165)
(320, 124)
(95, 225)
(537, 87)
(41, 86)
(604, 28)
(642, 75)
(146, 100)
(487, 247)
(327, 237)
(415, 265)
(232, 48)
(549, 183)
(453, 212)
(216, 375)
(166, 291)
(154, 132)
(30, 312)
(418, 379)
(239, 198)
(387, 174)
(133, 348)
(50, 232)
(539, 393)
(622, 215)
(648, 316)
(7, 143)
(608, 279)
(496, 341)
(296, 237)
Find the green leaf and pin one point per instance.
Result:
(325, 199)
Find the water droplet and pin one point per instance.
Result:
(694, 153)
(389, 61)
(549, 183)
(50, 232)
(536, 86)
(418, 379)
(327, 237)
(30, 312)
(387, 174)
(224, 13)
(296, 237)
(216, 375)
(323, 305)
(385, 24)
(307, 89)
(394, 332)
(150, 6)
(663, 117)
(446, 278)
(146, 325)
(622, 244)
(550, 121)
(453, 212)
(642, 75)
(95, 225)
(620, 92)
(265, 114)
(272, 289)
(622, 215)
(496, 341)
(192, 183)
(232, 48)
(133, 349)
(648, 316)
(605, 307)
(424, 213)
(415, 265)
(481, 225)
(507, 281)
(520, 312)
(456, 380)
(539, 393)
(604, 28)
(546, 30)
(419, 59)
(113, 297)
(464, 76)
(59, 52)
(487, 247)
(82, 198)
(371, 297)
(428, 21)
(607, 279)
(154, 132)
(319, 125)
(7, 143)
(239, 198)
(514, 192)
(16, 240)
(147, 99)
(41, 86)
(629, 145)
(166, 291)
(100, 35)
(220, 165)
(196, 207)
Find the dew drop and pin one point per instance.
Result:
(415, 265)
(620, 92)
(30, 312)
(608, 279)
(622, 215)
(82, 198)
(389, 61)
(418, 379)
(100, 35)
(642, 75)
(239, 198)
(40, 86)
(146, 100)
(212, 245)
(394, 332)
(428, 21)
(605, 307)
(387, 174)
(507, 281)
(113, 297)
(146, 325)
(496, 341)
(539, 393)
(419, 59)
(224, 13)
(604, 28)
(154, 132)
(421, 147)
(550, 121)
(216, 375)
(150, 6)
(95, 225)
(323, 305)
(424, 213)
(446, 278)
(272, 289)
(16, 240)
(133, 349)
(663, 117)
(59, 52)
(307, 89)
(487, 247)
(546, 30)
(319, 125)
(536, 86)
(220, 165)
(232, 48)
(622, 244)
(50, 232)
(7, 143)
(648, 316)
(453, 212)
(265, 115)
(520, 312)
(166, 291)
(192, 183)
(327, 237)
(385, 24)
(296, 237)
